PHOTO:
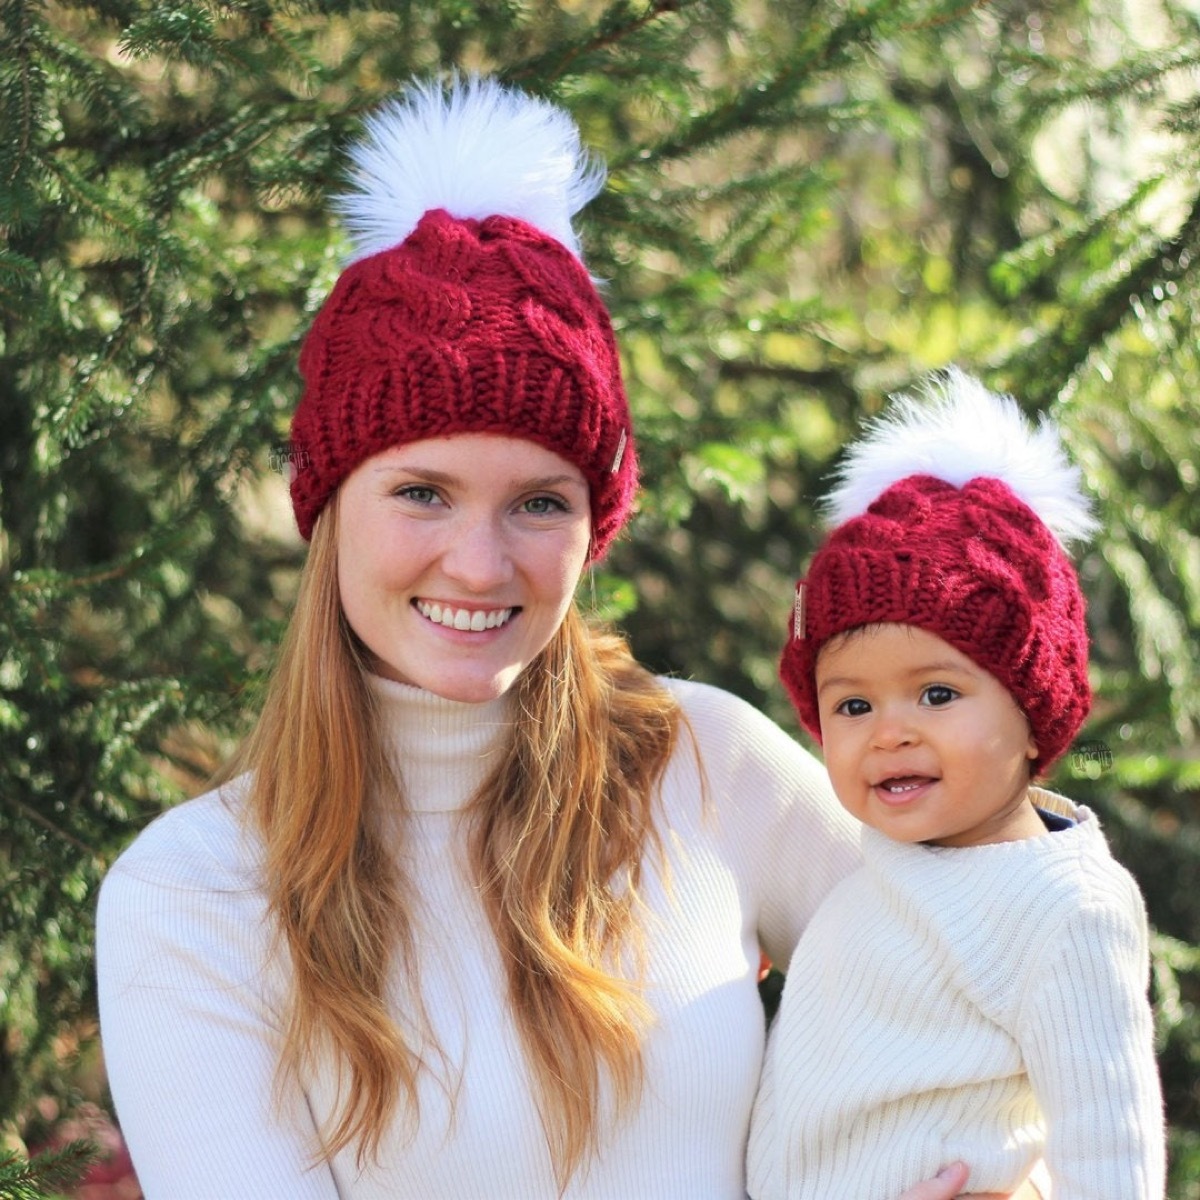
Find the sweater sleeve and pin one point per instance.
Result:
(812, 845)
(793, 839)
(189, 1034)
(1086, 1031)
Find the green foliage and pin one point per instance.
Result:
(48, 1174)
(810, 204)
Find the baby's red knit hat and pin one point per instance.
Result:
(949, 518)
(467, 308)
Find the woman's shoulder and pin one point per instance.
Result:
(715, 711)
(182, 908)
(705, 703)
(201, 843)
(735, 738)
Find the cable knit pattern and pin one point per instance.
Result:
(985, 1004)
(190, 992)
(467, 326)
(972, 565)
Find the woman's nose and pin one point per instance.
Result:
(477, 554)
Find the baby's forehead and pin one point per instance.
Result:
(879, 644)
(875, 629)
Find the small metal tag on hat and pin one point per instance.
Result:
(619, 456)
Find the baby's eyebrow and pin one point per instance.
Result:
(838, 681)
(942, 668)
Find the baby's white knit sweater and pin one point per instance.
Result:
(985, 1004)
(190, 992)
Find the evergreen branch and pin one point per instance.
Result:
(98, 204)
(97, 84)
(20, 37)
(177, 32)
(221, 144)
(288, 45)
(50, 1171)
(1145, 71)
(610, 31)
(768, 103)
(43, 582)
(1083, 327)
(1033, 260)
(19, 276)
(950, 17)
(824, 381)
(1091, 325)
(41, 819)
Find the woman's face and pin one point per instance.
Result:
(458, 558)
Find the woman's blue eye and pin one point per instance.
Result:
(419, 493)
(938, 694)
(539, 505)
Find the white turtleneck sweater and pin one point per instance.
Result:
(985, 1004)
(191, 994)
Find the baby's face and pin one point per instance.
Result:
(920, 742)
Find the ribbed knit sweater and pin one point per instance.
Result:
(191, 994)
(985, 1004)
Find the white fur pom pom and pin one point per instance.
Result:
(475, 148)
(957, 432)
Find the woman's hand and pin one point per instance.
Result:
(950, 1179)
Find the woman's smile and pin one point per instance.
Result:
(474, 620)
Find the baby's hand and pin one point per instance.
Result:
(945, 1187)
(1025, 1192)
(950, 1179)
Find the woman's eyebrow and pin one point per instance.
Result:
(398, 468)
(564, 479)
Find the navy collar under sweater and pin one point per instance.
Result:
(442, 750)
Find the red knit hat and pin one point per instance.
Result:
(467, 309)
(949, 517)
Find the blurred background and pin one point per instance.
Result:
(811, 204)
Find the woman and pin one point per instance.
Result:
(478, 910)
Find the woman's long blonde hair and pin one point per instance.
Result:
(560, 832)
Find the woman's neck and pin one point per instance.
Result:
(441, 750)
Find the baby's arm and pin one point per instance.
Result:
(1086, 1032)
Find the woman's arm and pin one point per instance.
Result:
(189, 1038)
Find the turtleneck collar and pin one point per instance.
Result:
(442, 750)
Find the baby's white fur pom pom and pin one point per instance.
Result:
(959, 431)
(475, 148)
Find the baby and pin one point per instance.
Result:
(977, 991)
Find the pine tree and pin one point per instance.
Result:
(47, 1173)
(810, 204)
